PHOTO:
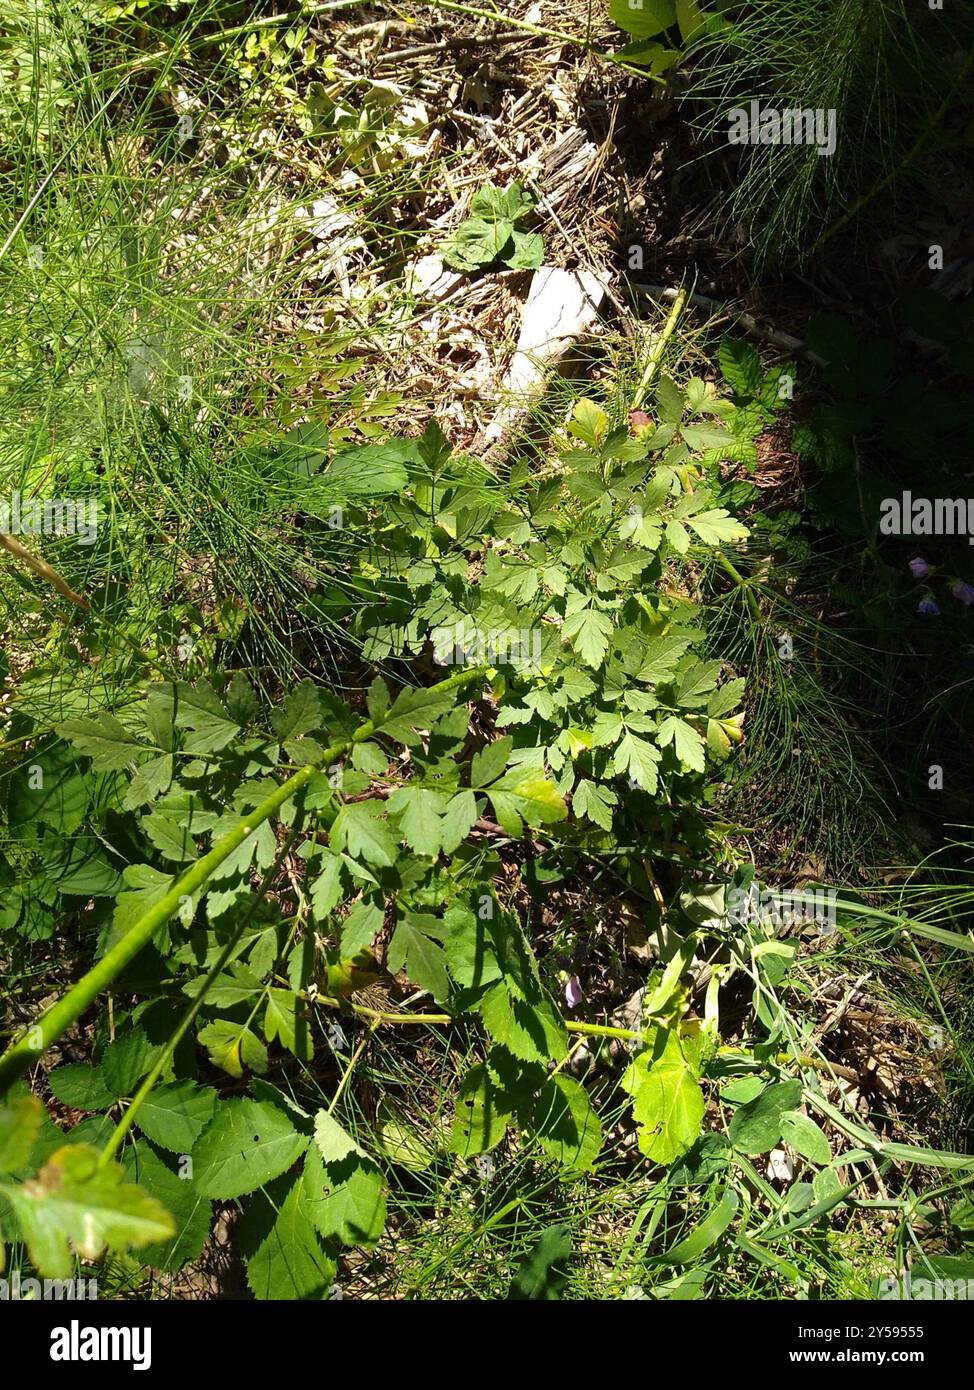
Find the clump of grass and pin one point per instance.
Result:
(170, 319)
(809, 784)
(878, 64)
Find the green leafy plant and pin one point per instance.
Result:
(646, 19)
(493, 231)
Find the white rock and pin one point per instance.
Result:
(781, 1166)
(562, 307)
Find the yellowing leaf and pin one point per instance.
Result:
(589, 423)
(76, 1203)
(668, 1104)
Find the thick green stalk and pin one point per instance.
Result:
(659, 348)
(125, 1123)
(51, 1025)
(742, 583)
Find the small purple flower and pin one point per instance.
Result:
(919, 568)
(964, 592)
(573, 992)
(928, 605)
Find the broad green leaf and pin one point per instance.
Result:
(239, 986)
(670, 404)
(469, 947)
(77, 1203)
(677, 536)
(566, 1126)
(717, 740)
(174, 1116)
(717, 527)
(458, 820)
(145, 886)
(527, 796)
(805, 1137)
(528, 252)
(589, 423)
(594, 802)
(199, 711)
(643, 18)
(668, 1104)
(361, 830)
(334, 1141)
(300, 713)
(488, 763)
(642, 527)
(415, 710)
(283, 1021)
(192, 1214)
(245, 1145)
(686, 742)
(326, 889)
(690, 18)
(589, 632)
(511, 203)
(542, 1276)
(424, 960)
(20, 1123)
(80, 865)
(756, 1127)
(655, 56)
(152, 779)
(233, 1046)
(126, 1060)
(661, 658)
(638, 759)
(171, 837)
(370, 470)
(727, 698)
(741, 366)
(280, 1246)
(82, 1086)
(103, 739)
(707, 437)
(478, 241)
(420, 813)
(531, 1030)
(482, 1115)
(741, 1091)
(48, 789)
(361, 926)
(961, 1216)
(378, 700)
(240, 700)
(696, 681)
(706, 1157)
(345, 1198)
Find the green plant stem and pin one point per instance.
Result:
(591, 1030)
(741, 583)
(659, 348)
(352, 1063)
(50, 576)
(125, 1123)
(43, 571)
(52, 1024)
